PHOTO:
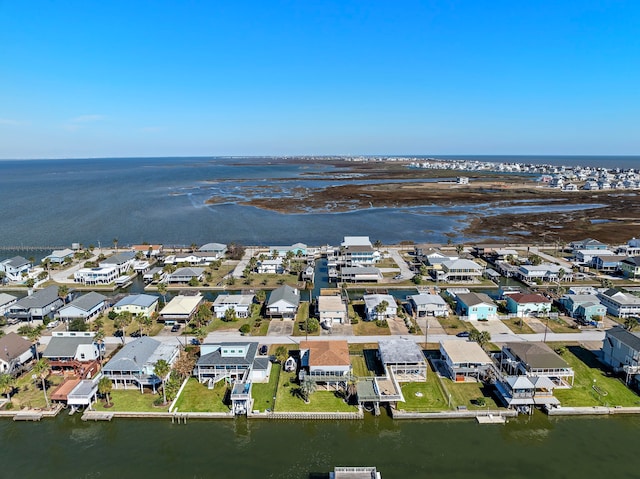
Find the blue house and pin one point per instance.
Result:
(476, 306)
(583, 307)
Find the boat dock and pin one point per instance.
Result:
(97, 416)
(28, 416)
(491, 419)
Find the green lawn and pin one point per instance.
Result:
(131, 400)
(588, 371)
(453, 325)
(423, 396)
(558, 326)
(359, 366)
(465, 394)
(29, 392)
(263, 393)
(518, 326)
(198, 397)
(369, 328)
(287, 400)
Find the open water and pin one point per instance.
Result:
(93, 201)
(527, 448)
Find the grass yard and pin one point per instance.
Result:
(271, 281)
(558, 326)
(518, 326)
(287, 399)
(465, 394)
(263, 393)
(369, 328)
(359, 366)
(131, 400)
(29, 393)
(589, 372)
(198, 397)
(453, 325)
(424, 397)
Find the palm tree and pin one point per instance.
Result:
(162, 289)
(115, 244)
(34, 334)
(104, 387)
(121, 322)
(307, 387)
(99, 339)
(63, 292)
(381, 308)
(161, 369)
(42, 369)
(7, 384)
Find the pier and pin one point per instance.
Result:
(97, 416)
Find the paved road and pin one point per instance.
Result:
(405, 271)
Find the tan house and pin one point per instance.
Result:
(325, 361)
(331, 310)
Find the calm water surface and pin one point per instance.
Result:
(526, 448)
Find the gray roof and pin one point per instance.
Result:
(632, 340)
(142, 300)
(13, 345)
(133, 356)
(39, 299)
(6, 298)
(16, 261)
(400, 350)
(633, 261)
(286, 293)
(472, 299)
(88, 301)
(192, 272)
(260, 364)
(537, 355)
(215, 358)
(213, 247)
(420, 299)
(119, 258)
(65, 346)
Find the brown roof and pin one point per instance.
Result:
(327, 353)
(12, 346)
(145, 247)
(529, 298)
(65, 388)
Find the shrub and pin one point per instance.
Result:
(245, 328)
(354, 320)
(382, 323)
(8, 405)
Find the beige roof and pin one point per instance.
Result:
(465, 352)
(331, 303)
(182, 305)
(12, 346)
(327, 353)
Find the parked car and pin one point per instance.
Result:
(263, 349)
(463, 334)
(53, 324)
(175, 328)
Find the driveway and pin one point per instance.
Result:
(405, 271)
(337, 330)
(493, 327)
(397, 326)
(279, 327)
(434, 325)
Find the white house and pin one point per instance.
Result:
(428, 305)
(6, 300)
(184, 275)
(331, 309)
(373, 306)
(240, 303)
(122, 262)
(181, 308)
(16, 269)
(85, 307)
(60, 255)
(137, 305)
(270, 266)
(283, 301)
(95, 276)
(619, 304)
(15, 351)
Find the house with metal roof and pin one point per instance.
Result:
(464, 359)
(85, 307)
(379, 306)
(331, 310)
(184, 275)
(425, 304)
(121, 261)
(240, 303)
(133, 365)
(137, 305)
(15, 351)
(587, 244)
(218, 248)
(6, 300)
(523, 392)
(621, 350)
(41, 304)
(283, 302)
(404, 358)
(60, 255)
(620, 304)
(16, 269)
(360, 274)
(476, 306)
(459, 270)
(95, 276)
(74, 351)
(181, 308)
(231, 360)
(526, 304)
(358, 250)
(535, 359)
(583, 307)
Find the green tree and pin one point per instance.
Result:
(121, 322)
(115, 244)
(281, 354)
(104, 387)
(312, 325)
(203, 314)
(245, 328)
(78, 324)
(480, 337)
(30, 282)
(34, 335)
(42, 369)
(7, 385)
(162, 289)
(307, 387)
(98, 338)
(535, 260)
(230, 315)
(459, 249)
(630, 323)
(63, 292)
(381, 308)
(162, 369)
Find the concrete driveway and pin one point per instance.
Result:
(494, 327)
(279, 327)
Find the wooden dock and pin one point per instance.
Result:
(491, 419)
(97, 416)
(28, 416)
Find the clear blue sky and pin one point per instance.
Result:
(159, 78)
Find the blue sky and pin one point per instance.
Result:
(159, 78)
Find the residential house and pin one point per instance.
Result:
(74, 351)
(586, 255)
(621, 350)
(60, 255)
(154, 275)
(360, 274)
(518, 392)
(15, 352)
(522, 304)
(42, 304)
(181, 308)
(464, 359)
(184, 275)
(121, 261)
(584, 307)
(218, 249)
(143, 305)
(379, 306)
(619, 304)
(608, 264)
(459, 270)
(270, 266)
(476, 306)
(358, 250)
(134, 364)
(530, 273)
(331, 309)
(587, 244)
(234, 361)
(85, 307)
(632, 248)
(96, 276)
(630, 267)
(149, 250)
(404, 358)
(195, 258)
(240, 303)
(536, 359)
(283, 302)
(16, 269)
(297, 249)
(6, 300)
(431, 256)
(428, 305)
(326, 362)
